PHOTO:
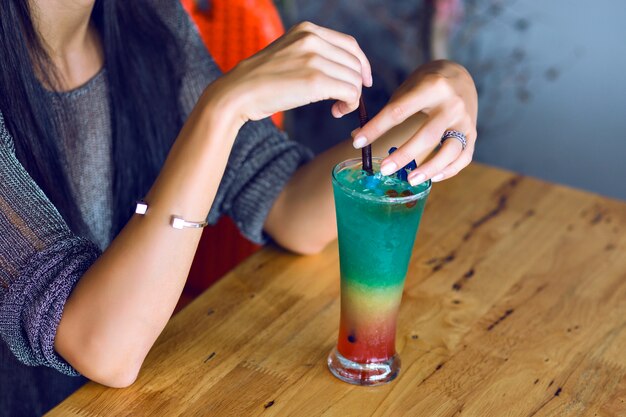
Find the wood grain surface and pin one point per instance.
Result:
(514, 305)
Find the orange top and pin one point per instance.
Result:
(233, 30)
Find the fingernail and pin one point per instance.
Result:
(359, 142)
(417, 179)
(437, 177)
(388, 168)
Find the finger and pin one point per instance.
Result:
(327, 87)
(464, 159)
(395, 112)
(456, 166)
(449, 152)
(309, 42)
(334, 69)
(419, 146)
(340, 108)
(344, 41)
(340, 72)
(305, 86)
(341, 56)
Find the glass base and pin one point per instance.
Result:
(369, 374)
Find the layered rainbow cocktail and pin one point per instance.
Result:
(377, 221)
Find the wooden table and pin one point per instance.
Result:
(514, 305)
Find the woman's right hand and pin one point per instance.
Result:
(307, 64)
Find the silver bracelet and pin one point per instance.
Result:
(176, 222)
(180, 223)
(141, 207)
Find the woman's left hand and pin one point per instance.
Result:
(445, 92)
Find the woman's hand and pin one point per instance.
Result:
(307, 64)
(445, 92)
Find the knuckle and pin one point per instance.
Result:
(311, 59)
(356, 93)
(353, 93)
(397, 112)
(402, 156)
(374, 130)
(437, 165)
(457, 106)
(437, 81)
(451, 172)
(352, 40)
(429, 170)
(308, 41)
(352, 106)
(305, 26)
(356, 79)
(355, 63)
(315, 79)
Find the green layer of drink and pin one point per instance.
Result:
(376, 231)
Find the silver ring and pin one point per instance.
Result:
(456, 135)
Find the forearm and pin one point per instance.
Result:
(123, 302)
(303, 216)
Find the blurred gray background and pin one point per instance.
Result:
(550, 75)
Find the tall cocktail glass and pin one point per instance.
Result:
(377, 221)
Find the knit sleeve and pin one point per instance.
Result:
(40, 263)
(262, 160)
(260, 165)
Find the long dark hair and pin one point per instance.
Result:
(143, 68)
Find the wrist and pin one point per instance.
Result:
(222, 106)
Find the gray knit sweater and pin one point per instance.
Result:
(41, 259)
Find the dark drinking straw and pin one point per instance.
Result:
(366, 152)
